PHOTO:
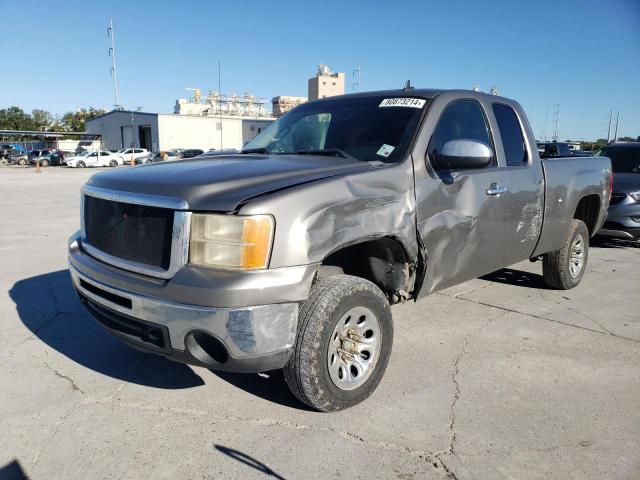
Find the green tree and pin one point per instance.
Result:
(42, 120)
(13, 118)
(74, 121)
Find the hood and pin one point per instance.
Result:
(222, 183)
(626, 182)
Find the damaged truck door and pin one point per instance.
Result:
(289, 254)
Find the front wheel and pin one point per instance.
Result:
(345, 334)
(81, 164)
(563, 269)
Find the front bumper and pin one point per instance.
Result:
(253, 338)
(622, 221)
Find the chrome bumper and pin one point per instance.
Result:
(247, 334)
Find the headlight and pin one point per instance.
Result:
(230, 241)
(635, 195)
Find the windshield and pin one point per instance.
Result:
(623, 159)
(366, 128)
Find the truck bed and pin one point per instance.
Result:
(568, 179)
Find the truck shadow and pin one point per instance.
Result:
(50, 309)
(519, 278)
(269, 386)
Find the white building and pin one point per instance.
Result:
(161, 131)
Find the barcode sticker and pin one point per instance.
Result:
(403, 102)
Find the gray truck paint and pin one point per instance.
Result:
(450, 230)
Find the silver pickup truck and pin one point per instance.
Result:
(290, 253)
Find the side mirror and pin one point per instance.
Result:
(463, 154)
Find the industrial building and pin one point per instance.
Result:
(216, 121)
(283, 103)
(325, 84)
(160, 131)
(215, 103)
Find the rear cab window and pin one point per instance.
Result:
(513, 139)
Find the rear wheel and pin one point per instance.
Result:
(22, 161)
(563, 269)
(113, 163)
(44, 163)
(345, 334)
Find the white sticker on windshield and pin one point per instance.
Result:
(403, 102)
(385, 150)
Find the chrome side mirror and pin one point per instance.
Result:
(463, 154)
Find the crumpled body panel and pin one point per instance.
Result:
(320, 217)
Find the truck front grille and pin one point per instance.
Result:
(136, 233)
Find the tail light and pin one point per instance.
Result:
(610, 184)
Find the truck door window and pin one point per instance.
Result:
(515, 149)
(461, 119)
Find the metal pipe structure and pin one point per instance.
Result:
(113, 70)
(47, 134)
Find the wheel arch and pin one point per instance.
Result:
(383, 260)
(588, 210)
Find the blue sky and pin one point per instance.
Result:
(583, 55)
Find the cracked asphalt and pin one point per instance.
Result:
(496, 378)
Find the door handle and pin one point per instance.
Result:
(495, 190)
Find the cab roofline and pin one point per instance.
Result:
(427, 93)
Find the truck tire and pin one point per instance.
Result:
(563, 269)
(345, 334)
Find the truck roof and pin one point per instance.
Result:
(419, 92)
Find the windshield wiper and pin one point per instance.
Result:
(327, 151)
(255, 150)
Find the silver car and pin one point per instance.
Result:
(623, 217)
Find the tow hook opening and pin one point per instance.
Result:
(206, 348)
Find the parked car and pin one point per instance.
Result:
(290, 253)
(7, 150)
(100, 158)
(581, 153)
(55, 158)
(127, 153)
(553, 149)
(190, 153)
(623, 217)
(10, 154)
(19, 159)
(157, 157)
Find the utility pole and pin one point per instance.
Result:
(356, 84)
(609, 131)
(556, 115)
(543, 134)
(113, 70)
(615, 135)
(220, 102)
